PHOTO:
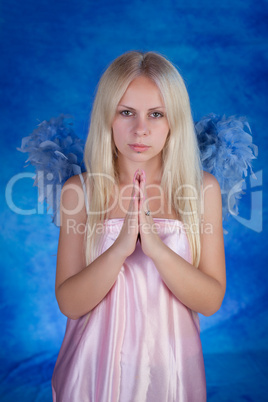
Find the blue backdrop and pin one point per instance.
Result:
(52, 56)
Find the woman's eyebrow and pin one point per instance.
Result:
(153, 108)
(127, 107)
(157, 107)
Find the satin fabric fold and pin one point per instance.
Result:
(140, 343)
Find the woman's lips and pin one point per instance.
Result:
(139, 147)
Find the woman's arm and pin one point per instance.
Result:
(79, 288)
(200, 289)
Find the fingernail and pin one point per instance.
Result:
(135, 175)
(144, 175)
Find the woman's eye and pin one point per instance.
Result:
(157, 114)
(126, 113)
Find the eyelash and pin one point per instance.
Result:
(125, 111)
(128, 115)
(159, 115)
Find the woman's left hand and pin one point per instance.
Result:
(148, 229)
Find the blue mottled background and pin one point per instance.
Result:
(52, 56)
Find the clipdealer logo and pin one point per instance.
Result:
(251, 186)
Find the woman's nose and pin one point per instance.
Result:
(141, 126)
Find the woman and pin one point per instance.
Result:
(141, 247)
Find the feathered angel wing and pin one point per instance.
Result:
(225, 144)
(57, 154)
(226, 151)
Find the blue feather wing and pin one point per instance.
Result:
(57, 154)
(226, 151)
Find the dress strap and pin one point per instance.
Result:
(85, 192)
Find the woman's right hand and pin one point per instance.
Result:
(80, 287)
(127, 239)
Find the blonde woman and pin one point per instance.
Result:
(141, 248)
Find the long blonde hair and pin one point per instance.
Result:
(182, 172)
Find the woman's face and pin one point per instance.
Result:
(140, 126)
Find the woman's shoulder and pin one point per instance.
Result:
(211, 192)
(210, 180)
(73, 194)
(76, 180)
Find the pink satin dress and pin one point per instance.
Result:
(140, 343)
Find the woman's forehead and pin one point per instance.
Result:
(142, 90)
